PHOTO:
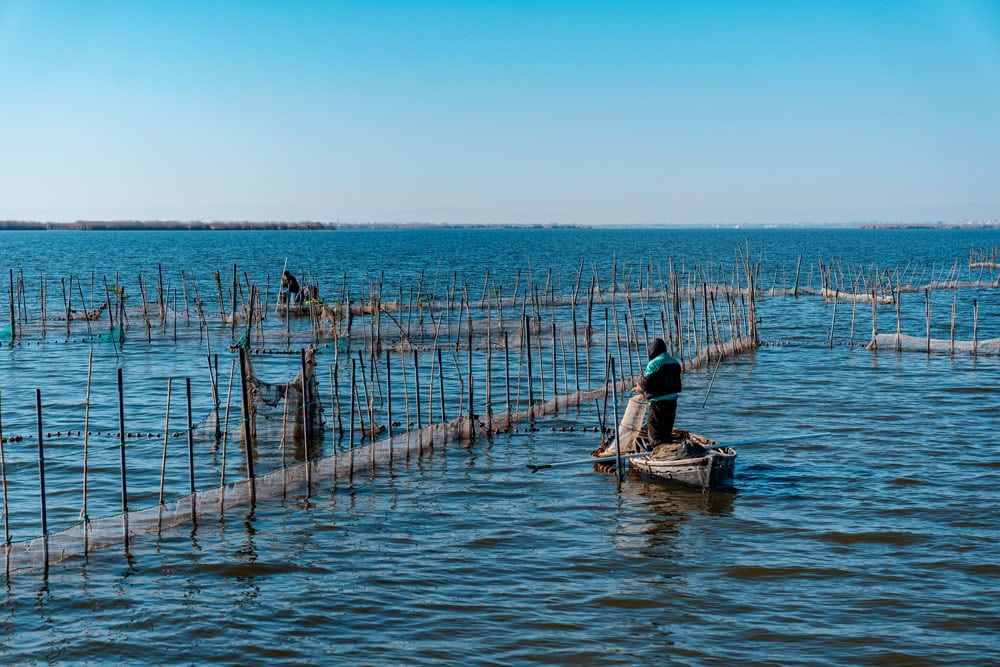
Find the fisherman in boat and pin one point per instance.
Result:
(289, 290)
(660, 384)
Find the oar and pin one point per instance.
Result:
(535, 467)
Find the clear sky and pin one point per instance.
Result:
(500, 112)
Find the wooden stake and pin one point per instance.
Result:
(3, 478)
(163, 458)
(247, 426)
(41, 476)
(225, 439)
(86, 435)
(190, 442)
(121, 452)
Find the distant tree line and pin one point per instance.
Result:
(116, 225)
(119, 225)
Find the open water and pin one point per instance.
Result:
(876, 545)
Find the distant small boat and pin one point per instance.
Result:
(300, 309)
(702, 463)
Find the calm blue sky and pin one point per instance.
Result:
(500, 112)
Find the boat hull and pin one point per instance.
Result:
(714, 470)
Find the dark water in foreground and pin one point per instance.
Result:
(877, 545)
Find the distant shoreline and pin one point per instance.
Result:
(197, 225)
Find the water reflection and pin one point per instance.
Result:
(657, 512)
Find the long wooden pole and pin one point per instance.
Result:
(41, 477)
(247, 427)
(354, 364)
(416, 389)
(190, 443)
(618, 449)
(86, 432)
(3, 478)
(121, 452)
(13, 321)
(306, 425)
(163, 457)
(388, 404)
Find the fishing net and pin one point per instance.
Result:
(904, 343)
(285, 407)
(129, 529)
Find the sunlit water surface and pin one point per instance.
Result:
(875, 545)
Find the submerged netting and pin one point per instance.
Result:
(280, 406)
(129, 529)
(904, 343)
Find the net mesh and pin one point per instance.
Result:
(131, 529)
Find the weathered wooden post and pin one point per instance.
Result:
(927, 314)
(388, 404)
(163, 458)
(306, 425)
(247, 426)
(618, 451)
(875, 318)
(13, 319)
(190, 442)
(527, 344)
(121, 451)
(975, 327)
(833, 322)
(444, 417)
(354, 386)
(472, 411)
(213, 376)
(86, 436)
(506, 366)
(954, 309)
(3, 478)
(41, 477)
(416, 388)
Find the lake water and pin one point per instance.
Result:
(875, 545)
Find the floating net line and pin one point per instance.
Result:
(129, 529)
(904, 343)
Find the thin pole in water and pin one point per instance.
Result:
(121, 451)
(247, 444)
(3, 477)
(306, 398)
(163, 458)
(416, 390)
(388, 404)
(614, 393)
(190, 439)
(41, 477)
(444, 417)
(86, 437)
(354, 387)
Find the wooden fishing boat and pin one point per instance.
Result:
(702, 463)
(713, 469)
(692, 460)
